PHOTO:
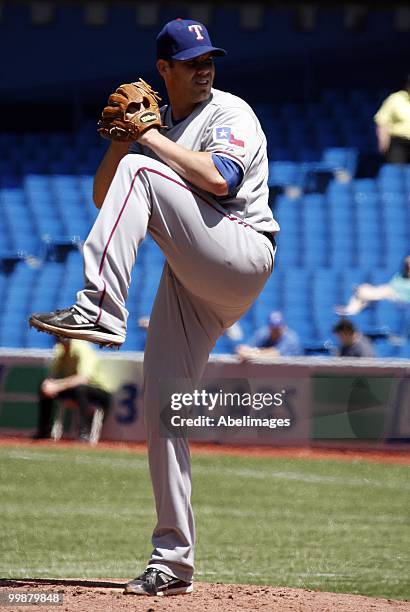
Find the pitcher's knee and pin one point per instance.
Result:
(133, 162)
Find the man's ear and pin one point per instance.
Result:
(162, 67)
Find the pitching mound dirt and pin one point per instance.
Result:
(107, 596)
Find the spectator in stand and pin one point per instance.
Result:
(396, 290)
(273, 340)
(74, 375)
(352, 343)
(393, 126)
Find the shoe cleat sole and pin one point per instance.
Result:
(74, 335)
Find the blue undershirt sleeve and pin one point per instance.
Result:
(230, 170)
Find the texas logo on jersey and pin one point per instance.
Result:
(225, 135)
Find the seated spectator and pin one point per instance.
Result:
(393, 126)
(273, 340)
(396, 290)
(74, 375)
(352, 343)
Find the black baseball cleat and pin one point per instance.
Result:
(156, 583)
(70, 323)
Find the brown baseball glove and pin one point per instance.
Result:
(131, 110)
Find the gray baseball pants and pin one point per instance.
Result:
(216, 266)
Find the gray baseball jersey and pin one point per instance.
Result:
(217, 262)
(227, 125)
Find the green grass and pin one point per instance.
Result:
(325, 525)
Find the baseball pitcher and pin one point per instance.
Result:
(194, 175)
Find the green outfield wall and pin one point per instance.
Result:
(320, 400)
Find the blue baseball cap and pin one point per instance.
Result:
(184, 39)
(276, 319)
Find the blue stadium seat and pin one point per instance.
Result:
(356, 139)
(323, 321)
(350, 279)
(404, 351)
(314, 210)
(296, 280)
(274, 132)
(291, 111)
(9, 176)
(307, 154)
(364, 185)
(340, 217)
(339, 191)
(390, 315)
(284, 173)
(263, 109)
(32, 166)
(270, 298)
(394, 200)
(43, 302)
(12, 329)
(406, 174)
(50, 226)
(392, 185)
(300, 139)
(341, 249)
(278, 152)
(367, 259)
(397, 244)
(368, 220)
(386, 349)
(74, 222)
(358, 97)
(315, 251)
(332, 97)
(393, 171)
(286, 207)
(327, 137)
(316, 111)
(288, 256)
(381, 276)
(300, 323)
(325, 288)
(371, 199)
(341, 158)
(38, 340)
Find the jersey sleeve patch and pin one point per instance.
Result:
(227, 136)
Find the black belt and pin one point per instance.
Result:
(270, 237)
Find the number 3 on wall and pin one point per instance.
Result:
(127, 403)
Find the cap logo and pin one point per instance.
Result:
(197, 29)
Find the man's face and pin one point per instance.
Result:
(191, 80)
